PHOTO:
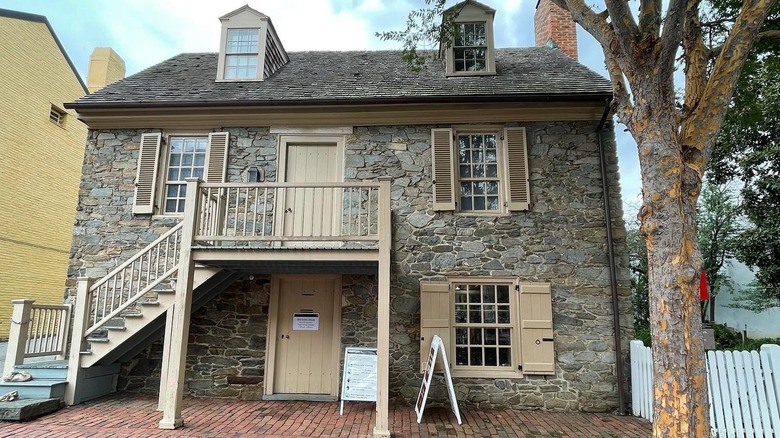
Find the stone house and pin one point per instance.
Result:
(294, 204)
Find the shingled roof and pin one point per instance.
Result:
(537, 73)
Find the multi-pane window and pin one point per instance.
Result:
(478, 173)
(241, 54)
(186, 158)
(470, 47)
(483, 325)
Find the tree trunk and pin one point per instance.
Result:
(668, 216)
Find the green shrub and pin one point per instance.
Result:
(642, 333)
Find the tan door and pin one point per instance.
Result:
(311, 211)
(307, 337)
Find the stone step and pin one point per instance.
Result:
(27, 409)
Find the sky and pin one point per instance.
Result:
(146, 32)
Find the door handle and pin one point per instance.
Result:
(285, 336)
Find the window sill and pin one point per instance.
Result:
(482, 214)
(477, 374)
(168, 216)
(455, 74)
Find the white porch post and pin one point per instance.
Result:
(381, 428)
(177, 345)
(17, 336)
(165, 359)
(80, 323)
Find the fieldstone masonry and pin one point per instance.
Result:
(561, 240)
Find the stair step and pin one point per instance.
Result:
(46, 370)
(36, 388)
(97, 339)
(27, 409)
(149, 303)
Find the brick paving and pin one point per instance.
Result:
(130, 415)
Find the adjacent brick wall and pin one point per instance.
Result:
(552, 22)
(40, 165)
(561, 240)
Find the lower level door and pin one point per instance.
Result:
(307, 338)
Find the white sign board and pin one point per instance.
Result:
(358, 383)
(436, 346)
(306, 321)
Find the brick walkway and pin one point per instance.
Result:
(125, 415)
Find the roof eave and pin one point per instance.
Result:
(545, 97)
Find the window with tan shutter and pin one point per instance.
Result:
(489, 326)
(181, 157)
(480, 171)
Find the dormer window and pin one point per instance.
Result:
(250, 50)
(472, 51)
(241, 53)
(470, 47)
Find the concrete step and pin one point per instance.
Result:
(36, 388)
(27, 409)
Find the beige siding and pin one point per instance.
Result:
(40, 165)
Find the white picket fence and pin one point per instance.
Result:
(744, 390)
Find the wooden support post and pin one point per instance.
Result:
(80, 323)
(17, 337)
(381, 428)
(165, 359)
(179, 335)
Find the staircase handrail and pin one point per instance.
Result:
(130, 301)
(135, 257)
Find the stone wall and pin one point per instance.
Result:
(561, 240)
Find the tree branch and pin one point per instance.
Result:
(650, 18)
(672, 34)
(695, 54)
(623, 24)
(762, 36)
(614, 58)
(704, 122)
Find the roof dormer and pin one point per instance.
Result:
(473, 51)
(249, 48)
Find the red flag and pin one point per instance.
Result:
(704, 291)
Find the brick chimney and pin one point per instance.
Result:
(554, 26)
(105, 67)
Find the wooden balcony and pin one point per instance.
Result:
(241, 226)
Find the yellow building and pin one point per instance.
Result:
(41, 153)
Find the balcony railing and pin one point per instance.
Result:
(289, 214)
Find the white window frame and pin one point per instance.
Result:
(162, 171)
(461, 35)
(472, 14)
(482, 371)
(256, 55)
(500, 163)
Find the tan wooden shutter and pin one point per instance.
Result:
(218, 156)
(443, 172)
(517, 169)
(536, 329)
(146, 178)
(434, 316)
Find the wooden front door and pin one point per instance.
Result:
(307, 336)
(313, 211)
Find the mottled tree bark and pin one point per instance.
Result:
(675, 144)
